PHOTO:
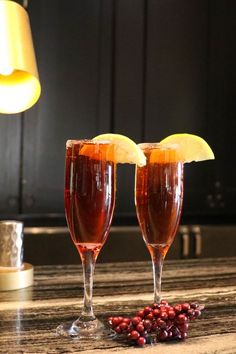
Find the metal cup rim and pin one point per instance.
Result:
(10, 222)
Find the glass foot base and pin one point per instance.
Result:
(85, 330)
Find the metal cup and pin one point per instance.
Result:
(11, 244)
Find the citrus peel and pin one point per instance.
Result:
(125, 150)
(190, 147)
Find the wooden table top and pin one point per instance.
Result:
(28, 317)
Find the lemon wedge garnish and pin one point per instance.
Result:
(190, 147)
(125, 149)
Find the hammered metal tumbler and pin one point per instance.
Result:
(11, 244)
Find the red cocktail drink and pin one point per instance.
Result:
(158, 199)
(90, 184)
(89, 193)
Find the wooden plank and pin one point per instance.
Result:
(128, 68)
(176, 67)
(104, 118)
(128, 89)
(10, 145)
(176, 84)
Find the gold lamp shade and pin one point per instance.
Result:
(19, 81)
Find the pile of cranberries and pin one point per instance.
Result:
(157, 323)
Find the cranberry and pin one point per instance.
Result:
(178, 308)
(154, 325)
(149, 316)
(117, 329)
(163, 308)
(193, 305)
(140, 314)
(171, 314)
(181, 318)
(126, 320)
(129, 329)
(141, 341)
(169, 324)
(183, 335)
(185, 307)
(183, 327)
(197, 313)
(140, 327)
(175, 332)
(135, 320)
(147, 324)
(116, 321)
(134, 335)
(191, 314)
(156, 312)
(123, 326)
(164, 315)
(161, 323)
(147, 310)
(163, 335)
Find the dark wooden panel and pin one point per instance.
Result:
(54, 246)
(70, 40)
(105, 67)
(218, 241)
(128, 67)
(128, 88)
(10, 163)
(176, 67)
(222, 103)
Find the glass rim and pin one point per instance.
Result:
(158, 146)
(71, 142)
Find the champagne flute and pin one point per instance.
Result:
(158, 200)
(90, 185)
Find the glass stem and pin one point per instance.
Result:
(157, 264)
(88, 263)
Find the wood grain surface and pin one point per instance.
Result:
(28, 317)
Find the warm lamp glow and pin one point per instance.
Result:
(19, 82)
(6, 71)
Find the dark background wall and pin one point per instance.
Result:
(143, 68)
